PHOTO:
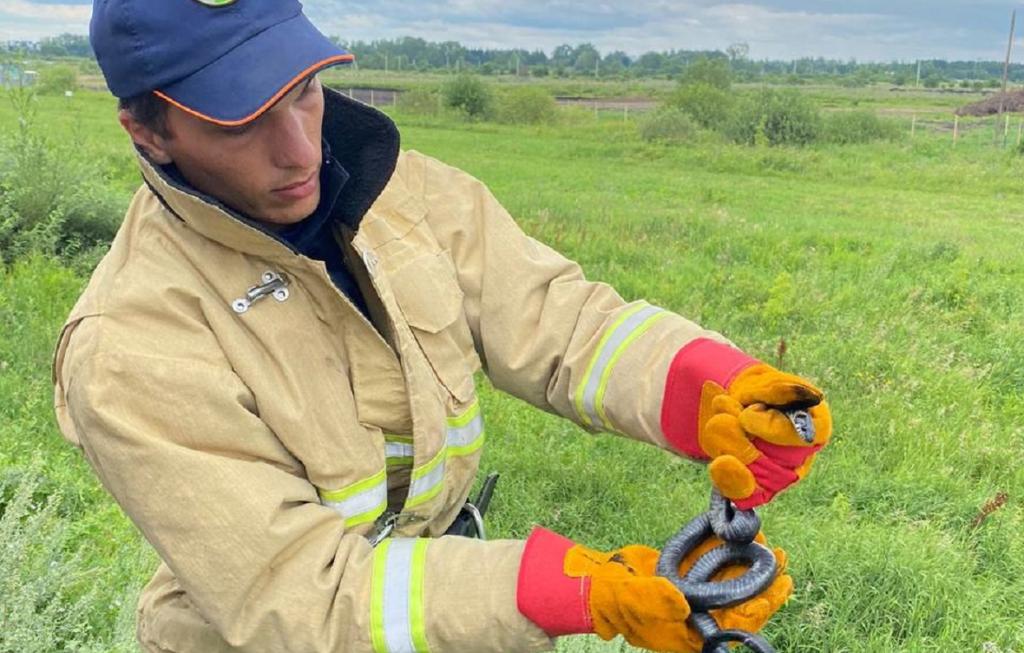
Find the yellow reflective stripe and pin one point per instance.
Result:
(377, 597)
(466, 417)
(355, 488)
(417, 606)
(397, 610)
(404, 439)
(360, 502)
(589, 399)
(468, 449)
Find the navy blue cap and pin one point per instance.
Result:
(225, 61)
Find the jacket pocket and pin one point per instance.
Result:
(430, 299)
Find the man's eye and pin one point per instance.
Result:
(238, 131)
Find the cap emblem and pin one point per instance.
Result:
(216, 3)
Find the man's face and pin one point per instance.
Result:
(268, 169)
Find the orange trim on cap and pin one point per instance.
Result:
(341, 58)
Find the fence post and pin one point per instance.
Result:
(1020, 133)
(913, 126)
(372, 103)
(956, 129)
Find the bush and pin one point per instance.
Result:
(420, 101)
(711, 72)
(54, 200)
(48, 601)
(527, 105)
(710, 106)
(469, 95)
(55, 80)
(37, 611)
(852, 127)
(775, 118)
(668, 125)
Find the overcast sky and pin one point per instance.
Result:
(777, 29)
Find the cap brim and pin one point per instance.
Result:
(241, 85)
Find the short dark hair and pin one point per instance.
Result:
(149, 109)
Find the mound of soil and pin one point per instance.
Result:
(1012, 102)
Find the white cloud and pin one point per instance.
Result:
(862, 29)
(57, 12)
(23, 20)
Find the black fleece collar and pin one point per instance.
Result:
(366, 143)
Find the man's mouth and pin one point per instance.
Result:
(299, 189)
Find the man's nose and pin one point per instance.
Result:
(291, 145)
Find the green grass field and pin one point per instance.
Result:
(894, 272)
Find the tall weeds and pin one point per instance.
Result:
(47, 600)
(54, 199)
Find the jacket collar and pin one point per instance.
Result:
(363, 140)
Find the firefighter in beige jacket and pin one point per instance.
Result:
(263, 428)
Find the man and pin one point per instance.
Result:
(272, 369)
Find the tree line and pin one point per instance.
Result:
(585, 60)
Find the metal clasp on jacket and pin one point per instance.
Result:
(274, 284)
(383, 527)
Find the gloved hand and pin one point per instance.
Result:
(617, 593)
(754, 448)
(723, 406)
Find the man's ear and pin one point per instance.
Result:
(151, 142)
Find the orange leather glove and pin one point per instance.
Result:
(617, 593)
(723, 406)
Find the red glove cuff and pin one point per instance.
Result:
(558, 604)
(700, 361)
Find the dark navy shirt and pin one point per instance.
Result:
(314, 236)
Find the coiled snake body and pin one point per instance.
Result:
(737, 528)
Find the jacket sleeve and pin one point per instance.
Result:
(179, 443)
(565, 344)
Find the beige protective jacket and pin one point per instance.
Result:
(255, 440)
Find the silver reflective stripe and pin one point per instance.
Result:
(397, 580)
(590, 395)
(467, 435)
(398, 450)
(426, 481)
(361, 502)
(397, 614)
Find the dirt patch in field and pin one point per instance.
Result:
(1000, 102)
(631, 103)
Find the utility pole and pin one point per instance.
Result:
(918, 73)
(1006, 70)
(1009, 50)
